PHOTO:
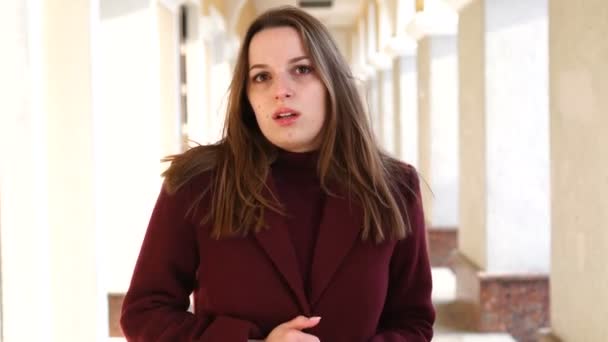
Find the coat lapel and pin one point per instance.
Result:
(278, 246)
(340, 227)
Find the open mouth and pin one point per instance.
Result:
(285, 116)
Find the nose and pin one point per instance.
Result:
(283, 88)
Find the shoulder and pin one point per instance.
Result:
(192, 170)
(403, 175)
(406, 183)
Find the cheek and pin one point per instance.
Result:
(322, 98)
(323, 106)
(255, 105)
(259, 109)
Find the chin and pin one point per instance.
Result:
(294, 147)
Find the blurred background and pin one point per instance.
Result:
(501, 105)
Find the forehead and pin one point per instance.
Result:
(275, 45)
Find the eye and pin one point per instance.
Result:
(303, 69)
(261, 77)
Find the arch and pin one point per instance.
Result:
(371, 30)
(235, 12)
(384, 31)
(404, 11)
(391, 6)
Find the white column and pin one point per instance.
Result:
(25, 269)
(197, 86)
(79, 305)
(406, 107)
(517, 147)
(129, 136)
(423, 62)
(472, 231)
(218, 54)
(508, 70)
(578, 83)
(438, 94)
(387, 110)
(405, 97)
(373, 102)
(169, 72)
(217, 84)
(383, 60)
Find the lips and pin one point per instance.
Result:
(285, 113)
(285, 117)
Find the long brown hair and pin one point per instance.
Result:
(348, 155)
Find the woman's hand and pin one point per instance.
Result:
(292, 331)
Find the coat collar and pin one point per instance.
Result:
(339, 228)
(341, 225)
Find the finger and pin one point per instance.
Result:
(302, 322)
(296, 335)
(308, 338)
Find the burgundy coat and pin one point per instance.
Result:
(244, 287)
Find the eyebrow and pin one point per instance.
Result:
(291, 61)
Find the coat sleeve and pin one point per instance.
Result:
(408, 314)
(155, 306)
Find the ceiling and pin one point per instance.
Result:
(342, 13)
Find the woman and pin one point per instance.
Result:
(295, 226)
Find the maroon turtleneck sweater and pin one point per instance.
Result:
(296, 180)
(363, 291)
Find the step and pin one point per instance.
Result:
(456, 316)
(444, 285)
(453, 315)
(473, 337)
(456, 319)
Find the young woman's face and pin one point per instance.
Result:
(285, 91)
